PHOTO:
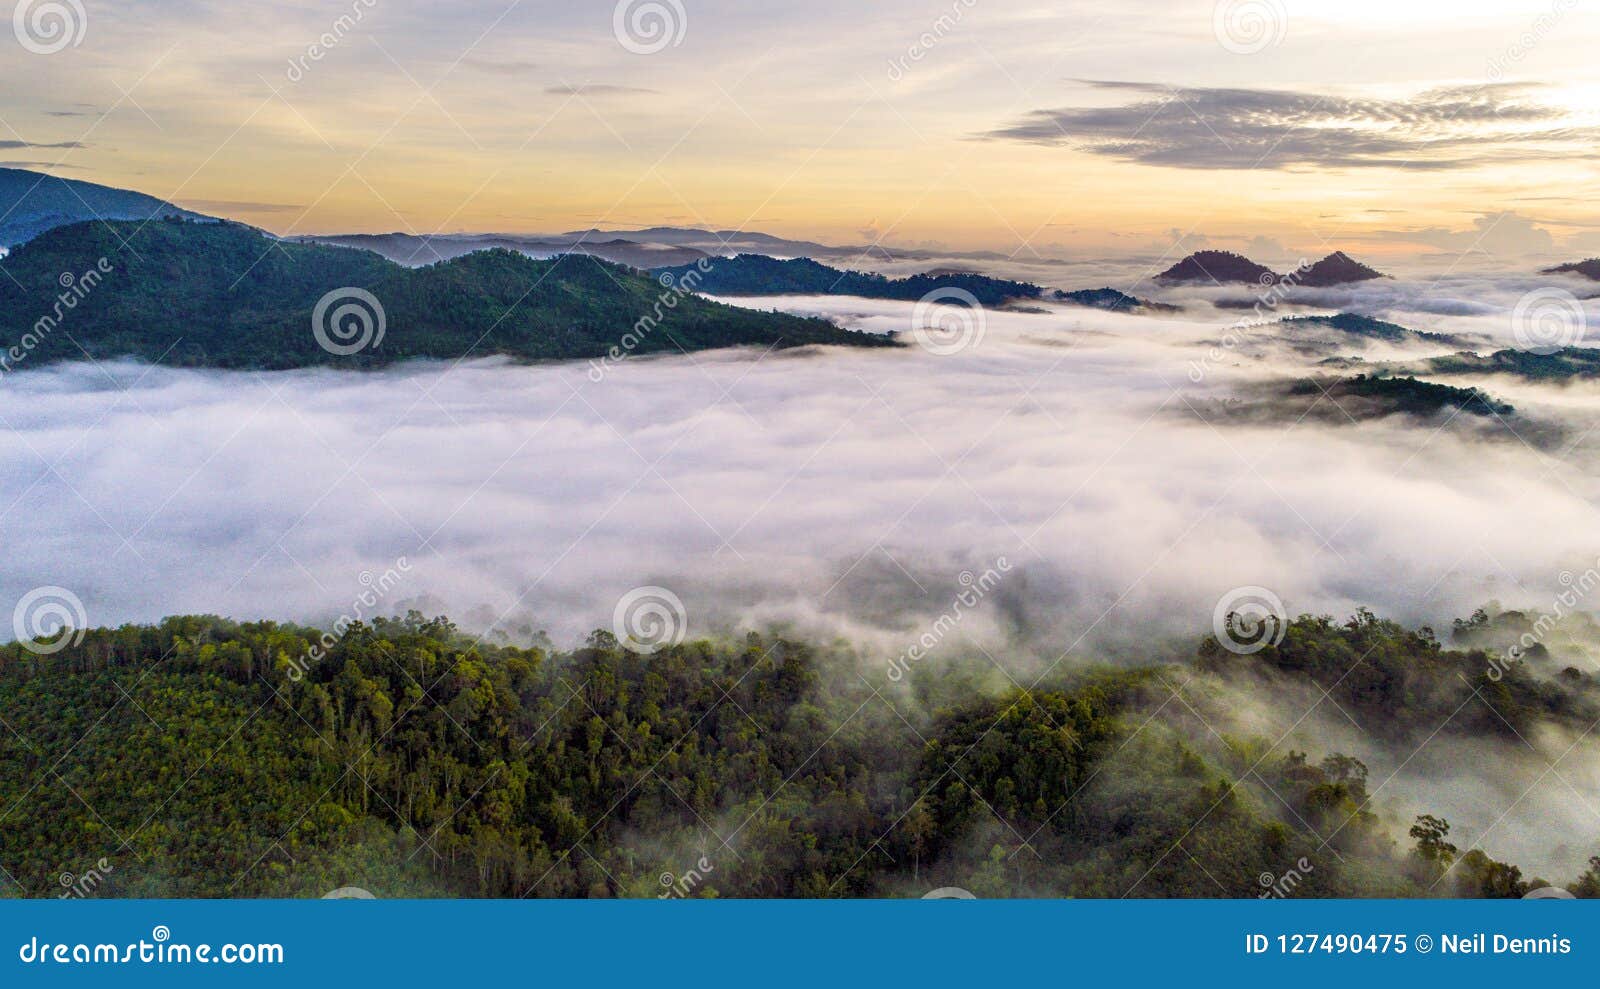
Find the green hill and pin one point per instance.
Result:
(224, 295)
(757, 274)
(203, 757)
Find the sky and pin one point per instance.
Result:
(1072, 130)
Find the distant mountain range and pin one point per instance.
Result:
(1589, 269)
(413, 250)
(758, 274)
(1227, 268)
(1564, 364)
(731, 242)
(1356, 325)
(226, 295)
(1111, 300)
(33, 202)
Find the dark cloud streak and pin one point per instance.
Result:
(1230, 128)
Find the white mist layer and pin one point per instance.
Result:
(840, 489)
(842, 492)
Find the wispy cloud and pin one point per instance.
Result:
(21, 145)
(1218, 128)
(238, 206)
(600, 90)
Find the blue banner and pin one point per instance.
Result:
(793, 943)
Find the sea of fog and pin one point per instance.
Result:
(837, 492)
(837, 489)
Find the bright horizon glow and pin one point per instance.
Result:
(846, 125)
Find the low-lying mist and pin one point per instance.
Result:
(844, 491)
(1052, 493)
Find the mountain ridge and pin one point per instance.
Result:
(225, 295)
(1228, 268)
(32, 203)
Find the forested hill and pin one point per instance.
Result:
(202, 757)
(225, 295)
(757, 274)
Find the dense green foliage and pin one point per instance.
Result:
(202, 757)
(1111, 300)
(1357, 325)
(224, 295)
(757, 274)
(1564, 364)
(1366, 396)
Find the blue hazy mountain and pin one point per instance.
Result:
(33, 202)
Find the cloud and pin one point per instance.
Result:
(41, 165)
(599, 90)
(21, 145)
(841, 490)
(1504, 233)
(1225, 128)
